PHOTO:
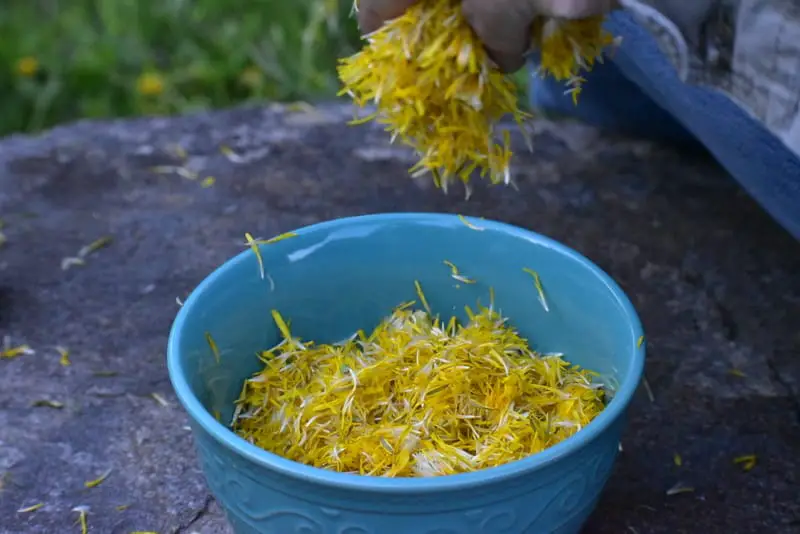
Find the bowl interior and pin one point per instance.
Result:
(335, 278)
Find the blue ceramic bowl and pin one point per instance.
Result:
(336, 277)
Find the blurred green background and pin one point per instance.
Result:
(61, 60)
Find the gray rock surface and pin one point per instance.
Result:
(716, 282)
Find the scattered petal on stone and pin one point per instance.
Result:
(31, 508)
(746, 462)
(94, 246)
(71, 261)
(679, 488)
(648, 389)
(300, 106)
(183, 172)
(83, 511)
(97, 481)
(232, 156)
(85, 251)
(64, 355)
(13, 352)
(160, 399)
(46, 403)
(177, 150)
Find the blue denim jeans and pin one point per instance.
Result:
(639, 92)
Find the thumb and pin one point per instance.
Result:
(372, 14)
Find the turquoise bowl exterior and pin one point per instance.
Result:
(336, 277)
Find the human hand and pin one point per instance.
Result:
(504, 26)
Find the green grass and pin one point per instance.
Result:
(208, 53)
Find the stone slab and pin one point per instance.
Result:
(716, 282)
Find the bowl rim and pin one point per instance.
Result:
(343, 481)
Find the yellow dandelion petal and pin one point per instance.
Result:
(648, 389)
(422, 298)
(747, 462)
(434, 88)
(31, 508)
(469, 224)
(97, 481)
(64, 355)
(417, 396)
(178, 151)
(280, 237)
(213, 346)
(232, 156)
(737, 372)
(82, 511)
(70, 262)
(539, 289)
(456, 275)
(14, 352)
(678, 489)
(281, 324)
(183, 172)
(160, 399)
(94, 246)
(47, 403)
(253, 244)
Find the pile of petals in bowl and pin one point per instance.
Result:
(415, 398)
(435, 88)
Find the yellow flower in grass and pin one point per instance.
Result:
(150, 84)
(252, 77)
(434, 87)
(27, 66)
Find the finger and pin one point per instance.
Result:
(504, 28)
(508, 63)
(373, 13)
(574, 9)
